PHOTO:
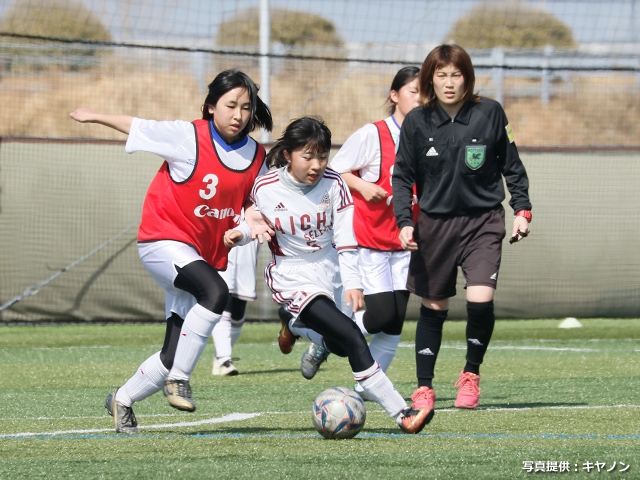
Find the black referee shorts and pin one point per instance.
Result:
(472, 242)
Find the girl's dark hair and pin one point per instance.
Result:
(404, 76)
(309, 132)
(438, 58)
(230, 79)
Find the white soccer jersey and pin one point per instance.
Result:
(309, 218)
(361, 151)
(175, 141)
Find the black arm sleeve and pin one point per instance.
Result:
(513, 169)
(404, 177)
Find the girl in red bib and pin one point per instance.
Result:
(198, 194)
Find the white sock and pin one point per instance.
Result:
(148, 379)
(222, 338)
(358, 317)
(194, 336)
(300, 331)
(383, 348)
(376, 383)
(236, 330)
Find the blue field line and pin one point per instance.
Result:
(486, 436)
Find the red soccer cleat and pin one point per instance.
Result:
(286, 339)
(421, 411)
(468, 386)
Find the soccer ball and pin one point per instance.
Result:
(338, 413)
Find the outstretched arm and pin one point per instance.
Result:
(122, 123)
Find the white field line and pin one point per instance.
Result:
(232, 417)
(462, 346)
(75, 347)
(550, 407)
(236, 417)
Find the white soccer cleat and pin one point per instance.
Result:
(224, 369)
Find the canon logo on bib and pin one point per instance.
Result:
(204, 211)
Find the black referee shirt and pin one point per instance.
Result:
(457, 165)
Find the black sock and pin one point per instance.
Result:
(428, 340)
(480, 323)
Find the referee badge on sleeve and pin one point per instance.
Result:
(474, 156)
(509, 133)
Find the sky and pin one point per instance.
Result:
(428, 21)
(188, 22)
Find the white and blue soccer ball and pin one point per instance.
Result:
(338, 413)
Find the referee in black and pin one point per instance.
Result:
(456, 148)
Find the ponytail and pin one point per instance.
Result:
(403, 76)
(275, 157)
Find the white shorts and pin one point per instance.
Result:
(383, 271)
(240, 274)
(295, 281)
(161, 259)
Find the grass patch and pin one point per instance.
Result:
(548, 395)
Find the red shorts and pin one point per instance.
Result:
(472, 242)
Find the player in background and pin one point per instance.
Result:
(198, 193)
(366, 162)
(456, 148)
(240, 277)
(309, 207)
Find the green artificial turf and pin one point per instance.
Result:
(552, 397)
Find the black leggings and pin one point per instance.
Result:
(171, 337)
(237, 307)
(385, 312)
(203, 282)
(341, 334)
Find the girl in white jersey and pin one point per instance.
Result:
(309, 207)
(366, 162)
(198, 193)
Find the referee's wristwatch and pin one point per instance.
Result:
(524, 213)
